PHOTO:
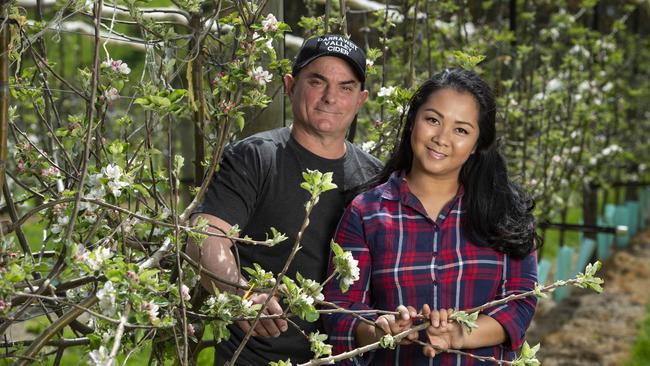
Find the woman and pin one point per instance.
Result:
(443, 228)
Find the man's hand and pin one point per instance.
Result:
(269, 327)
(390, 324)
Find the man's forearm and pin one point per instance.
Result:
(216, 256)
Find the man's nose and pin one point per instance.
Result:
(329, 95)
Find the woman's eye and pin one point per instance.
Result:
(432, 120)
(462, 131)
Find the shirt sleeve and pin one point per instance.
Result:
(341, 328)
(520, 275)
(235, 186)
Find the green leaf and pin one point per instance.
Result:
(114, 275)
(148, 275)
(16, 273)
(467, 320)
(387, 341)
(141, 189)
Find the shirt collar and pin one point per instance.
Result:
(396, 189)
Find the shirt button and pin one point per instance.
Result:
(435, 282)
(435, 254)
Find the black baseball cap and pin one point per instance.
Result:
(331, 45)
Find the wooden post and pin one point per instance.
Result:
(199, 101)
(589, 208)
(4, 95)
(274, 115)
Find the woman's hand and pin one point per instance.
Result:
(442, 333)
(391, 324)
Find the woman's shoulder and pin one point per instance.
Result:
(374, 196)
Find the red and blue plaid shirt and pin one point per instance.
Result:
(406, 258)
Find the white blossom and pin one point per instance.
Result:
(100, 357)
(584, 86)
(112, 172)
(81, 254)
(470, 28)
(369, 62)
(118, 66)
(116, 187)
(270, 24)
(313, 289)
(97, 257)
(351, 272)
(579, 50)
(554, 85)
(61, 222)
(261, 76)
(305, 299)
(268, 43)
(185, 292)
(386, 91)
(611, 149)
(395, 16)
(151, 309)
(116, 183)
(106, 296)
(608, 87)
(368, 146)
(556, 159)
(112, 94)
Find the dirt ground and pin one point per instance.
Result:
(597, 329)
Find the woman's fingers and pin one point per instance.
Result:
(383, 323)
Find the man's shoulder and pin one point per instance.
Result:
(264, 142)
(364, 156)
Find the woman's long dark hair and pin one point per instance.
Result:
(498, 212)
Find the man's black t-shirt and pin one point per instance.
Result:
(258, 187)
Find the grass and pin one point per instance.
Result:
(640, 355)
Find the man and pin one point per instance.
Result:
(258, 187)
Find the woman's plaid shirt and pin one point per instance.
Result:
(405, 258)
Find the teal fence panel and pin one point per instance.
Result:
(622, 218)
(633, 210)
(604, 242)
(563, 271)
(610, 212)
(645, 207)
(587, 247)
(543, 267)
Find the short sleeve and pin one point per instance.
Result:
(520, 275)
(236, 185)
